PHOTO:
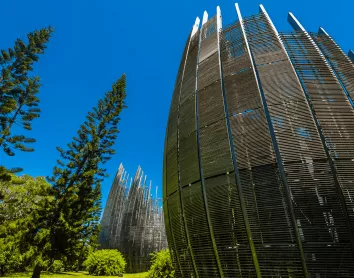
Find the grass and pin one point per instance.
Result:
(78, 275)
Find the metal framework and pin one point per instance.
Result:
(259, 153)
(340, 63)
(133, 221)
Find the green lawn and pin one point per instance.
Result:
(77, 275)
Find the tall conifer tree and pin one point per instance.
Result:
(77, 178)
(18, 93)
(18, 89)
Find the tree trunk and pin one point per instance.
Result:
(78, 264)
(37, 271)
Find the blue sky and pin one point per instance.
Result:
(96, 41)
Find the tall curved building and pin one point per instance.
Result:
(259, 153)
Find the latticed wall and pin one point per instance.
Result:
(133, 221)
(111, 222)
(259, 153)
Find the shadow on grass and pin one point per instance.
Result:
(79, 273)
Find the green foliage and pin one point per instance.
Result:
(24, 199)
(5, 175)
(10, 257)
(18, 89)
(161, 266)
(42, 222)
(73, 221)
(56, 266)
(105, 262)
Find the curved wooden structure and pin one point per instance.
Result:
(259, 153)
(133, 221)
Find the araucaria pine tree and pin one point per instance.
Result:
(77, 177)
(19, 89)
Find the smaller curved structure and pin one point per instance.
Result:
(132, 221)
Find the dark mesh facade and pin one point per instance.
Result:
(259, 153)
(133, 222)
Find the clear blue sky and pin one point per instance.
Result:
(95, 41)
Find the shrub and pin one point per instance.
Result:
(105, 263)
(10, 257)
(57, 266)
(161, 266)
